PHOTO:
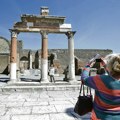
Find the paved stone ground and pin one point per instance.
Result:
(39, 105)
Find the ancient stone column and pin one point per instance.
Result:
(71, 56)
(44, 57)
(39, 62)
(30, 59)
(13, 57)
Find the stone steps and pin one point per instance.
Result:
(35, 86)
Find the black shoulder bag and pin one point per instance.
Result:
(84, 103)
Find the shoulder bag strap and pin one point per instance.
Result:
(82, 90)
(89, 91)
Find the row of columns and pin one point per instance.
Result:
(44, 56)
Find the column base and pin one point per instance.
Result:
(18, 80)
(12, 81)
(66, 79)
(72, 80)
(42, 80)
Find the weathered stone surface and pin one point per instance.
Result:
(60, 103)
(61, 116)
(30, 117)
(43, 109)
(4, 45)
(5, 117)
(13, 103)
(19, 110)
(56, 105)
(2, 110)
(35, 103)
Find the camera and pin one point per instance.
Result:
(98, 60)
(99, 69)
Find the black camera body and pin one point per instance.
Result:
(99, 70)
(98, 60)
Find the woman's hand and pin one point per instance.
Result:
(91, 63)
(103, 62)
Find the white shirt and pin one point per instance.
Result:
(52, 71)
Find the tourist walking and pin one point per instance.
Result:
(52, 73)
(106, 104)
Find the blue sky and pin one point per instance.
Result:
(96, 22)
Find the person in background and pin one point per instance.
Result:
(52, 73)
(106, 104)
(66, 71)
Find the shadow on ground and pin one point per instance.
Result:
(70, 112)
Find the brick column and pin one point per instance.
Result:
(44, 57)
(71, 56)
(13, 57)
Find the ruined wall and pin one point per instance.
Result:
(61, 57)
(82, 56)
(4, 55)
(4, 45)
(58, 57)
(4, 63)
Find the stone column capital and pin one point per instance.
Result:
(14, 33)
(70, 34)
(44, 34)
